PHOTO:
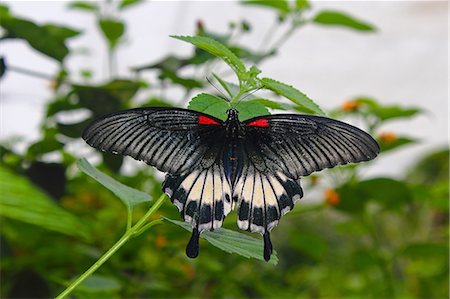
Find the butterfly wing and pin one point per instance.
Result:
(171, 139)
(298, 145)
(282, 148)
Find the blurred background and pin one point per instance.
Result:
(376, 230)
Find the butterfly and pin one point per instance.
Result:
(213, 166)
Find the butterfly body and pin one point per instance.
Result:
(214, 166)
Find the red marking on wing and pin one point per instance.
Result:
(263, 122)
(204, 120)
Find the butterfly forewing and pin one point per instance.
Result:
(173, 140)
(298, 145)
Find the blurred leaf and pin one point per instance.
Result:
(168, 63)
(188, 83)
(292, 94)
(114, 162)
(83, 5)
(129, 196)
(128, 3)
(419, 250)
(250, 109)
(60, 32)
(209, 104)
(48, 144)
(251, 56)
(50, 177)
(302, 4)
(216, 49)
(22, 201)
(310, 245)
(123, 89)
(232, 242)
(390, 112)
(281, 6)
(48, 39)
(336, 18)
(73, 130)
(398, 142)
(112, 29)
(157, 102)
(387, 192)
(431, 169)
(60, 104)
(100, 283)
(112, 96)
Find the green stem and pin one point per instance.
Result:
(128, 234)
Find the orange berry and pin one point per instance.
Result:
(388, 137)
(332, 197)
(349, 106)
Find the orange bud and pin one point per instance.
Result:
(332, 197)
(388, 137)
(349, 106)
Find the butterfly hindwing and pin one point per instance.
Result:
(171, 139)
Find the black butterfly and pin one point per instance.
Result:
(214, 165)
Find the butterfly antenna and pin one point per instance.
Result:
(223, 95)
(249, 94)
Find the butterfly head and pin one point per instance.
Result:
(233, 114)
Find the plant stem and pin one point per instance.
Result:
(128, 234)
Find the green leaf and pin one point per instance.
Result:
(392, 112)
(188, 83)
(394, 195)
(271, 104)
(336, 18)
(127, 3)
(217, 49)
(123, 89)
(386, 146)
(281, 6)
(23, 201)
(232, 242)
(292, 94)
(82, 5)
(112, 29)
(209, 104)
(48, 39)
(129, 196)
(302, 4)
(250, 109)
(231, 88)
(60, 32)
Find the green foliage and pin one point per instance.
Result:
(129, 196)
(209, 104)
(336, 18)
(232, 242)
(49, 39)
(293, 95)
(219, 50)
(24, 202)
(112, 29)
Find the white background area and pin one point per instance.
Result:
(405, 62)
